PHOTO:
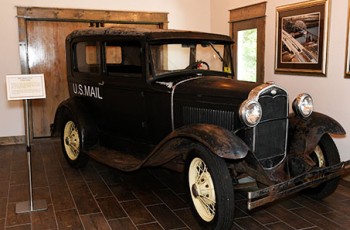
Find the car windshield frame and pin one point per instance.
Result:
(178, 57)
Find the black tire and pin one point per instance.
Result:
(325, 154)
(71, 141)
(212, 197)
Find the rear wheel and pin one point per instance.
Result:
(211, 190)
(325, 154)
(71, 143)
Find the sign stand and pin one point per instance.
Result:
(29, 206)
(29, 86)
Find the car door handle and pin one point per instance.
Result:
(101, 83)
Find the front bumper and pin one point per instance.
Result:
(296, 184)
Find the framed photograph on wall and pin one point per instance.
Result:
(301, 38)
(347, 63)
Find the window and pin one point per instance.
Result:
(87, 57)
(123, 58)
(202, 56)
(247, 55)
(248, 32)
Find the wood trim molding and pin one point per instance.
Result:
(248, 12)
(59, 14)
(12, 140)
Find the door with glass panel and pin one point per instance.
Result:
(248, 32)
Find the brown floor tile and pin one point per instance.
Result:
(123, 223)
(279, 226)
(263, 217)
(2, 222)
(61, 197)
(248, 223)
(187, 217)
(68, 219)
(171, 200)
(166, 218)
(20, 227)
(137, 212)
(3, 205)
(316, 219)
(95, 221)
(83, 198)
(147, 198)
(122, 193)
(111, 208)
(99, 189)
(12, 218)
(19, 178)
(152, 226)
(289, 217)
(44, 219)
(19, 193)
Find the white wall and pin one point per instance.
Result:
(183, 14)
(331, 94)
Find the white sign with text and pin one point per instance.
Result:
(25, 86)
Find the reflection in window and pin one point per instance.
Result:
(113, 55)
(123, 58)
(247, 55)
(87, 57)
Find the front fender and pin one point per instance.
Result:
(218, 140)
(305, 133)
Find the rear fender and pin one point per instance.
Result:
(76, 108)
(305, 133)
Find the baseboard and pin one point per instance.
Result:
(12, 140)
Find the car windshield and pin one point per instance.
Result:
(202, 57)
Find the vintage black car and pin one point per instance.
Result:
(141, 98)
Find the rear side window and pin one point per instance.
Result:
(87, 56)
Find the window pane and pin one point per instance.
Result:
(113, 55)
(87, 57)
(247, 55)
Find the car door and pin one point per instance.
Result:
(123, 88)
(85, 73)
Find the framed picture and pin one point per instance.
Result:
(347, 63)
(301, 38)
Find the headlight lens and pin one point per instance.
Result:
(250, 112)
(303, 105)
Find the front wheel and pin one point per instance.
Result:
(325, 154)
(211, 190)
(71, 143)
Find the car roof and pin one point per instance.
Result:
(147, 34)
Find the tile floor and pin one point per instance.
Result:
(98, 197)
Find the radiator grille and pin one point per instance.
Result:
(271, 134)
(193, 115)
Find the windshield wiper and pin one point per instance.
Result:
(216, 51)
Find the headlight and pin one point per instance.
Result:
(250, 112)
(303, 105)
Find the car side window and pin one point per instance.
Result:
(123, 59)
(87, 56)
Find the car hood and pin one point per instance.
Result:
(210, 86)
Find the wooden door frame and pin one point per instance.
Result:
(25, 14)
(255, 14)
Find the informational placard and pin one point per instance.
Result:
(25, 86)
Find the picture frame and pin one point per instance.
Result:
(301, 38)
(347, 60)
